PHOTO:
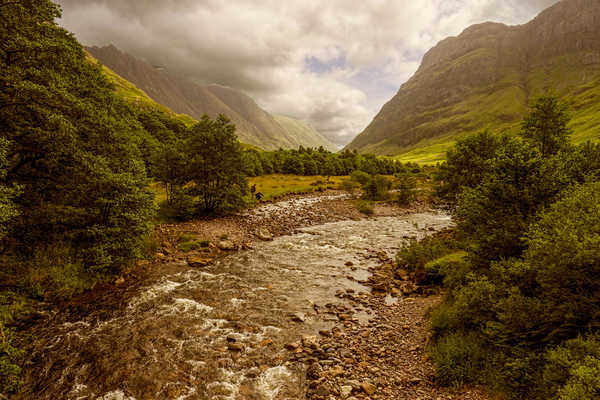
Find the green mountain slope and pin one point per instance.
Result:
(254, 125)
(485, 79)
(134, 95)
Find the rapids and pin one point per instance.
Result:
(219, 333)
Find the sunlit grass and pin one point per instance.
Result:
(276, 185)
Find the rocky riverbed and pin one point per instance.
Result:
(290, 318)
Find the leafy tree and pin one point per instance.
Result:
(169, 168)
(564, 251)
(496, 213)
(72, 144)
(216, 166)
(467, 163)
(8, 209)
(546, 125)
(293, 165)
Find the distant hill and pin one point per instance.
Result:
(486, 78)
(254, 125)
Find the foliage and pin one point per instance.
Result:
(73, 146)
(8, 209)
(572, 370)
(415, 254)
(215, 166)
(459, 358)
(11, 305)
(406, 188)
(546, 125)
(365, 208)
(467, 163)
(314, 162)
(496, 214)
(377, 188)
(360, 177)
(527, 290)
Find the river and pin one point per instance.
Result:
(220, 332)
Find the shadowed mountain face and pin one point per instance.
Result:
(487, 76)
(254, 125)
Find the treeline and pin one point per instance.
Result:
(522, 313)
(312, 162)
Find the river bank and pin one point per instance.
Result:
(249, 324)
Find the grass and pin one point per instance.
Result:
(501, 107)
(277, 185)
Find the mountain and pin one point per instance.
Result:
(254, 125)
(306, 135)
(485, 79)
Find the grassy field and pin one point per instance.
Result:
(273, 186)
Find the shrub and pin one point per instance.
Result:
(573, 370)
(406, 191)
(349, 186)
(365, 208)
(377, 188)
(459, 358)
(361, 177)
(415, 254)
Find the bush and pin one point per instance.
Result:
(365, 208)
(573, 370)
(361, 177)
(406, 191)
(459, 358)
(377, 188)
(415, 254)
(349, 186)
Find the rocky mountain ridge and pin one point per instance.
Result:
(486, 77)
(255, 126)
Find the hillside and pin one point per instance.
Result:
(485, 79)
(297, 130)
(254, 125)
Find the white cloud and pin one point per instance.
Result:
(367, 49)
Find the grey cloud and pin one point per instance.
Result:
(260, 46)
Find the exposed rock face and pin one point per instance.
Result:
(486, 77)
(254, 125)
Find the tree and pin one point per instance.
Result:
(496, 213)
(216, 166)
(467, 163)
(8, 209)
(72, 144)
(546, 125)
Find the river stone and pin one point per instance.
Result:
(368, 388)
(226, 245)
(264, 234)
(298, 317)
(198, 262)
(345, 391)
(322, 391)
(235, 346)
(310, 341)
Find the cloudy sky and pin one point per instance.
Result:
(333, 63)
